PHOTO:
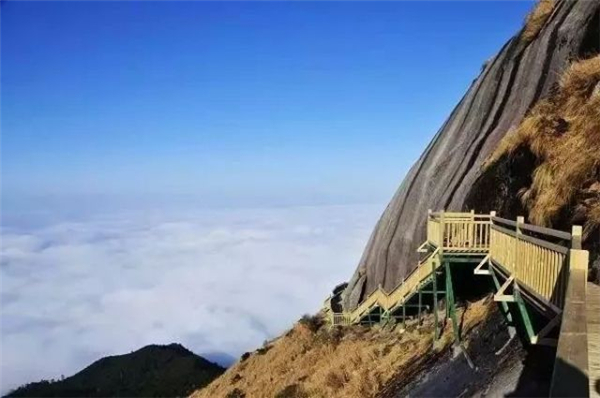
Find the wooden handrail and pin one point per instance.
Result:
(547, 231)
(551, 271)
(532, 260)
(504, 221)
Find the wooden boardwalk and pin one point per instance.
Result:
(533, 268)
(593, 335)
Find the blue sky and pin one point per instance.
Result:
(239, 103)
(192, 158)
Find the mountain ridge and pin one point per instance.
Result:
(152, 371)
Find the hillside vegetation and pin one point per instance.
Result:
(313, 360)
(562, 132)
(536, 19)
(152, 371)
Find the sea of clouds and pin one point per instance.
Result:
(218, 281)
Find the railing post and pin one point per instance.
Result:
(441, 232)
(576, 233)
(520, 220)
(492, 215)
(575, 260)
(472, 230)
(572, 356)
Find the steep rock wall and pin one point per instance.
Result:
(509, 85)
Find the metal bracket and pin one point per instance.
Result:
(500, 296)
(479, 270)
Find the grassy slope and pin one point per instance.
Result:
(536, 19)
(356, 361)
(152, 371)
(563, 133)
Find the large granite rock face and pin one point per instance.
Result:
(443, 177)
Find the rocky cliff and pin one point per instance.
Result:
(448, 175)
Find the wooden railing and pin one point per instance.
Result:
(433, 229)
(546, 264)
(340, 319)
(387, 301)
(465, 232)
(537, 258)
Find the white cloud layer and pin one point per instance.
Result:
(219, 282)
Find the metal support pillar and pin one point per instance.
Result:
(524, 314)
(420, 302)
(504, 305)
(450, 304)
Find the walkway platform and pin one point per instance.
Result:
(532, 268)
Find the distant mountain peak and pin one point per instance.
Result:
(152, 371)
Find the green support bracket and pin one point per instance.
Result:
(450, 304)
(504, 305)
(524, 313)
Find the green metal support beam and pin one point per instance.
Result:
(435, 304)
(446, 301)
(420, 301)
(450, 303)
(524, 314)
(504, 305)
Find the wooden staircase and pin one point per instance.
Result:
(533, 268)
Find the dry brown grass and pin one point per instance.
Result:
(536, 19)
(563, 132)
(351, 362)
